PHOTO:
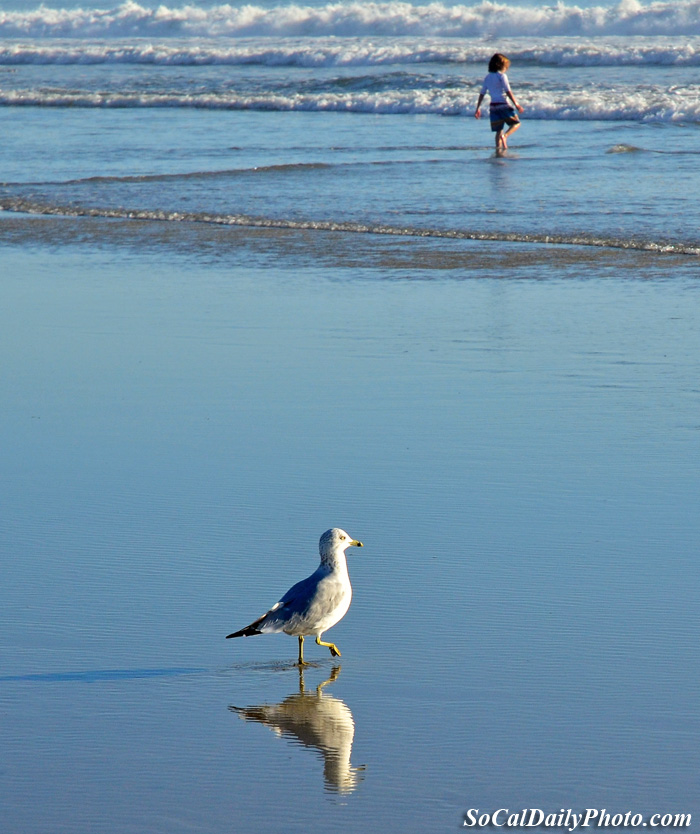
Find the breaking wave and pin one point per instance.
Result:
(360, 19)
(648, 104)
(353, 52)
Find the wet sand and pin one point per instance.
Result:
(517, 448)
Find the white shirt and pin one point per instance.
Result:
(496, 85)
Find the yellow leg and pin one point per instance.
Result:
(301, 650)
(335, 651)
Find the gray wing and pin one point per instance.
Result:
(293, 604)
(301, 593)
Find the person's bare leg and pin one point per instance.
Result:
(510, 130)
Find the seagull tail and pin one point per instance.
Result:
(259, 626)
(248, 631)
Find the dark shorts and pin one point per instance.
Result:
(501, 114)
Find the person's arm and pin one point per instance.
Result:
(477, 112)
(510, 95)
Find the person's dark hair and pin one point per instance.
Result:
(498, 63)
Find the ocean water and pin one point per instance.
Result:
(357, 116)
(262, 274)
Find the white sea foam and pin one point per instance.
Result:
(354, 52)
(485, 19)
(641, 105)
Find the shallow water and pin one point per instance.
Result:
(338, 129)
(185, 414)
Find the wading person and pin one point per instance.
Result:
(500, 112)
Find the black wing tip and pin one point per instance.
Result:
(244, 632)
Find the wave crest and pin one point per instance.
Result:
(640, 106)
(354, 52)
(397, 19)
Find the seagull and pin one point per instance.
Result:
(316, 603)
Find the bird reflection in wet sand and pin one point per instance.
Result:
(314, 719)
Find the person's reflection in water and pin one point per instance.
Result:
(314, 719)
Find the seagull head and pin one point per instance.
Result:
(336, 540)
